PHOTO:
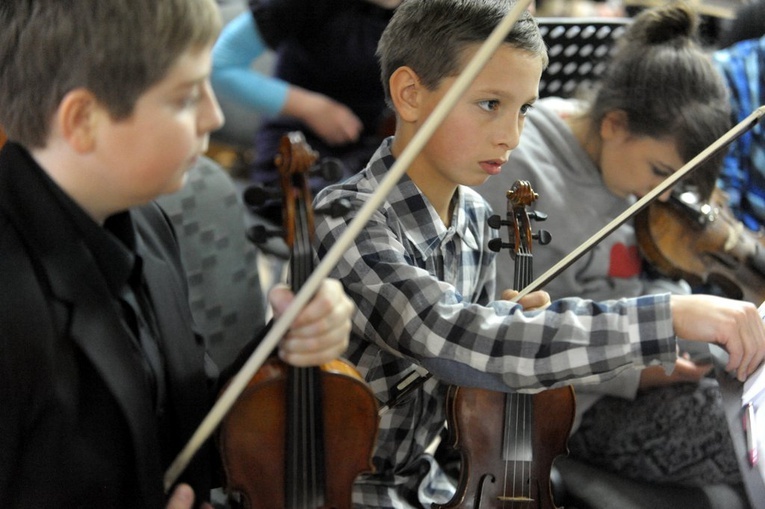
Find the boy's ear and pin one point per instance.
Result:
(404, 87)
(614, 124)
(76, 119)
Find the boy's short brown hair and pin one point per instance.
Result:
(429, 36)
(117, 49)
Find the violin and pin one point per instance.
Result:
(702, 242)
(298, 437)
(508, 441)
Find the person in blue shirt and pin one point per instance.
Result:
(743, 173)
(325, 82)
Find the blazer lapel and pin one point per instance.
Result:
(109, 347)
(75, 281)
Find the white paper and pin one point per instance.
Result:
(754, 387)
(754, 392)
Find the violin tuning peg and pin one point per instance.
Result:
(330, 169)
(259, 234)
(257, 195)
(496, 245)
(542, 236)
(495, 222)
(538, 216)
(337, 208)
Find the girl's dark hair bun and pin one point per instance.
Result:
(664, 24)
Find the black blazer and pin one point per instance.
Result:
(76, 422)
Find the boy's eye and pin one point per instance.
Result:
(660, 172)
(489, 104)
(526, 108)
(190, 98)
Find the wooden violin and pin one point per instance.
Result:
(508, 441)
(703, 243)
(298, 437)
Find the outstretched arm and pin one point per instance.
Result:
(233, 77)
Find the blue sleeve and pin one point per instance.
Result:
(233, 77)
(735, 65)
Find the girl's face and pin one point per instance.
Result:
(477, 136)
(634, 165)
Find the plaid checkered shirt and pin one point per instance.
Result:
(423, 293)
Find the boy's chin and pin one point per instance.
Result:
(478, 181)
(175, 185)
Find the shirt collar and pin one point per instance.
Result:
(421, 223)
(113, 246)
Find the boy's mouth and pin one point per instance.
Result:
(492, 167)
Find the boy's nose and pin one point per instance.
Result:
(211, 116)
(511, 135)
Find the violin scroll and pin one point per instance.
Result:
(518, 221)
(297, 162)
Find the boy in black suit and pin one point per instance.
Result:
(106, 104)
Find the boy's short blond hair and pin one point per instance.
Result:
(117, 49)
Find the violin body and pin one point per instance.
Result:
(486, 447)
(252, 439)
(702, 242)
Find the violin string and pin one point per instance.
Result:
(517, 404)
(513, 416)
(506, 439)
(526, 474)
(293, 426)
(525, 260)
(310, 389)
(304, 468)
(515, 398)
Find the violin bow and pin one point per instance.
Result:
(311, 285)
(719, 144)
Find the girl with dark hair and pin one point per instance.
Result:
(659, 103)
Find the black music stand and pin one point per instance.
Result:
(579, 49)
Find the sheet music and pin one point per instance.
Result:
(754, 387)
(754, 392)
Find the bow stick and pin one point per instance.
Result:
(721, 142)
(280, 326)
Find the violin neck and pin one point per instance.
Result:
(524, 273)
(305, 484)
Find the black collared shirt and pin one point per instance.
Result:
(116, 251)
